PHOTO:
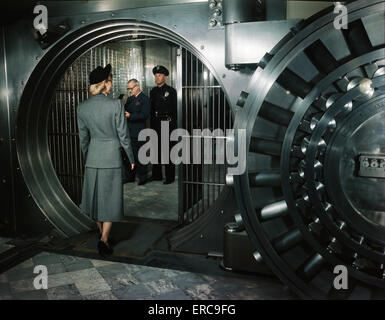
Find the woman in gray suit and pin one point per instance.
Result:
(102, 130)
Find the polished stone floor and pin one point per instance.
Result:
(78, 278)
(154, 200)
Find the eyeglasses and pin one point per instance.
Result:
(128, 88)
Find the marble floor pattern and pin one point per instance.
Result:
(154, 200)
(77, 278)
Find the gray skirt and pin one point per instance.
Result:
(102, 196)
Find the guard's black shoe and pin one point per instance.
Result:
(168, 182)
(141, 183)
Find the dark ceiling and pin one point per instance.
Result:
(15, 10)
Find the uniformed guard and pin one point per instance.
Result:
(163, 108)
(138, 109)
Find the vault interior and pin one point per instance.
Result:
(202, 105)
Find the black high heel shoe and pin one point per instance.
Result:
(104, 249)
(111, 239)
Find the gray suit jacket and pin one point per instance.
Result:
(102, 130)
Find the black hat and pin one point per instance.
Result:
(99, 74)
(160, 69)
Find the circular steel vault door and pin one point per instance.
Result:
(314, 116)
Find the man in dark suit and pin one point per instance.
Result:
(138, 109)
(163, 108)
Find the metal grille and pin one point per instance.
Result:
(204, 106)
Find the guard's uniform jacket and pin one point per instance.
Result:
(163, 108)
(139, 108)
(164, 104)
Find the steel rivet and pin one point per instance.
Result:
(202, 47)
(37, 57)
(82, 22)
(175, 26)
(201, 236)
(223, 76)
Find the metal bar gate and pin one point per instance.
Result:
(203, 106)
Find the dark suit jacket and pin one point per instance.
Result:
(102, 130)
(139, 108)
